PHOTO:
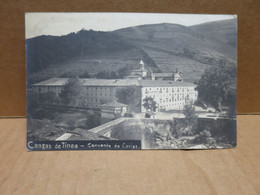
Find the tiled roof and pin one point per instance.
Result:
(90, 82)
(157, 83)
(133, 76)
(113, 104)
(53, 82)
(163, 74)
(110, 82)
(116, 82)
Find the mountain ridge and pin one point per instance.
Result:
(163, 46)
(171, 46)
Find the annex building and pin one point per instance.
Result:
(169, 91)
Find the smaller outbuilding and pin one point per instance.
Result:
(112, 110)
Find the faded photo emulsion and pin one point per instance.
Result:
(130, 81)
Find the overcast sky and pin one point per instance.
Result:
(37, 24)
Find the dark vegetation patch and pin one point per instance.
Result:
(49, 124)
(161, 134)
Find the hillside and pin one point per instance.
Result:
(81, 53)
(163, 47)
(172, 45)
(225, 31)
(45, 51)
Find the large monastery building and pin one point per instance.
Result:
(167, 89)
(98, 90)
(169, 95)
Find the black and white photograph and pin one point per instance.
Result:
(130, 81)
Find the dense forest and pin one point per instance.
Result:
(44, 51)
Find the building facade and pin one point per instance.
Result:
(169, 94)
(98, 91)
(141, 73)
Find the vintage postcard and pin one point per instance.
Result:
(130, 81)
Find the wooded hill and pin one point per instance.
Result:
(163, 47)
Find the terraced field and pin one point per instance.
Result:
(92, 64)
(171, 45)
(163, 47)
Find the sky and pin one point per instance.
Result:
(57, 24)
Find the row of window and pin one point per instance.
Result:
(153, 95)
(99, 94)
(178, 98)
(167, 89)
(170, 105)
(173, 100)
(88, 88)
(99, 88)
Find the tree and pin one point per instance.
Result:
(188, 53)
(150, 104)
(102, 75)
(185, 126)
(85, 75)
(107, 75)
(130, 96)
(124, 72)
(93, 120)
(216, 84)
(49, 98)
(190, 116)
(45, 51)
(74, 93)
